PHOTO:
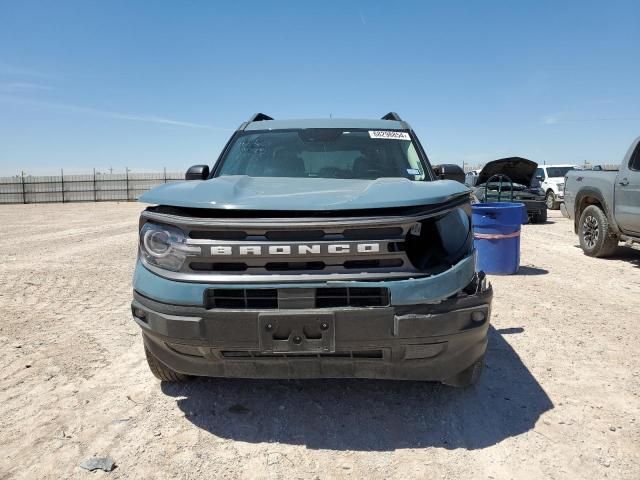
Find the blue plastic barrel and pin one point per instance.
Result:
(496, 236)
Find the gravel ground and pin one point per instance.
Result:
(559, 398)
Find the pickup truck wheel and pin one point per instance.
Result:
(595, 236)
(161, 371)
(467, 377)
(552, 204)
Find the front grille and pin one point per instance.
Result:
(264, 247)
(321, 249)
(355, 354)
(272, 298)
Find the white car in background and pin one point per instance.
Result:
(551, 178)
(471, 177)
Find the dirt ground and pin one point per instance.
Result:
(560, 397)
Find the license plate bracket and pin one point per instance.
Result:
(297, 333)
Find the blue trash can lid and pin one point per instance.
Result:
(509, 213)
(485, 207)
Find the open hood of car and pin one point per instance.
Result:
(518, 169)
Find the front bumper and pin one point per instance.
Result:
(410, 342)
(534, 207)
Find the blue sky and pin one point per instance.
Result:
(152, 84)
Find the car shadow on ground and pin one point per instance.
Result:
(628, 254)
(546, 222)
(370, 415)
(530, 270)
(624, 253)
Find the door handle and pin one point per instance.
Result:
(624, 182)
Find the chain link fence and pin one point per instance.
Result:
(94, 187)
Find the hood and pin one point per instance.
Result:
(240, 192)
(519, 170)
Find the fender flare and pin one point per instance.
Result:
(597, 194)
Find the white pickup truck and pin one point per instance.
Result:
(605, 205)
(551, 178)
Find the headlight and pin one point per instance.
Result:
(165, 246)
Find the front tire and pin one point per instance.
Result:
(161, 371)
(539, 217)
(552, 203)
(596, 238)
(468, 377)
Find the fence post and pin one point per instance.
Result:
(24, 194)
(126, 172)
(95, 190)
(62, 183)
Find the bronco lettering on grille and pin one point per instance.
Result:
(299, 249)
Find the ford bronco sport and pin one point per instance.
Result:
(313, 248)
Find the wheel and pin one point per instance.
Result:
(161, 371)
(552, 204)
(539, 217)
(467, 377)
(595, 236)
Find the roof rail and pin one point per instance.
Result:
(392, 116)
(259, 117)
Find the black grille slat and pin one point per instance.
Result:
(218, 266)
(293, 266)
(372, 233)
(352, 297)
(218, 234)
(239, 298)
(294, 235)
(385, 263)
(325, 297)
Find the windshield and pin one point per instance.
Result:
(558, 171)
(323, 153)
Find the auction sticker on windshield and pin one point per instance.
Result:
(389, 134)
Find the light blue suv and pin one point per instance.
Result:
(313, 248)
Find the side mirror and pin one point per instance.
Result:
(197, 172)
(449, 171)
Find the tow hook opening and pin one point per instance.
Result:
(139, 313)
